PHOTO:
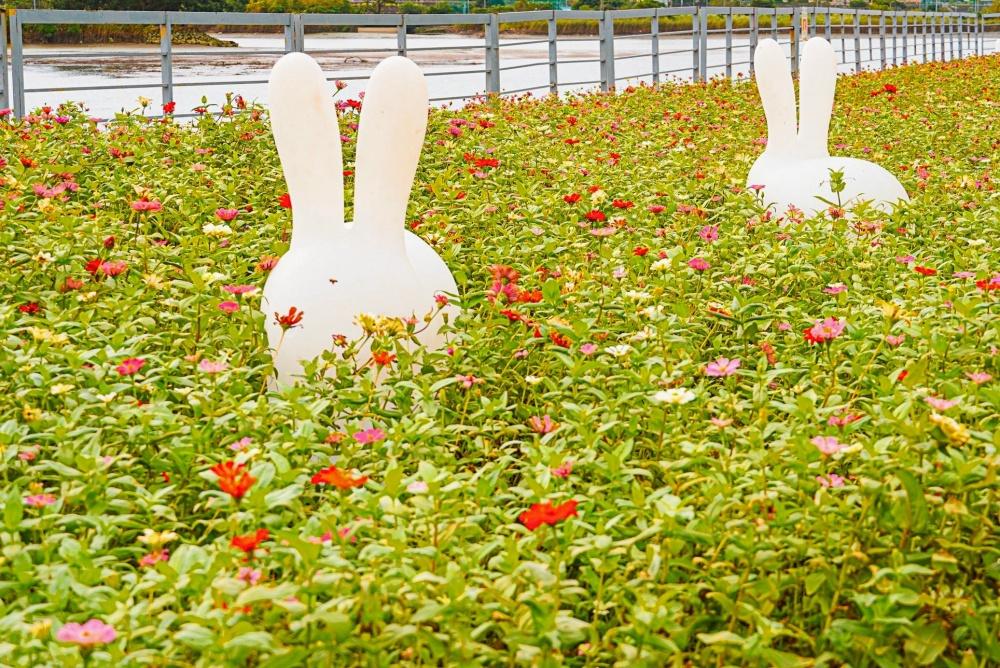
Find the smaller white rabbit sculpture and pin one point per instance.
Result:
(334, 271)
(795, 167)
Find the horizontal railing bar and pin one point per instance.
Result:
(578, 83)
(66, 89)
(455, 97)
(227, 18)
(227, 82)
(641, 55)
(523, 90)
(530, 41)
(455, 72)
(579, 60)
(30, 55)
(540, 63)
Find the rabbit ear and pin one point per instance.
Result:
(774, 83)
(390, 136)
(305, 128)
(817, 84)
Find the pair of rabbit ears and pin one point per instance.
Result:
(817, 84)
(307, 134)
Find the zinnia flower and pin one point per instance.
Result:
(249, 542)
(722, 367)
(130, 366)
(546, 513)
(234, 479)
(90, 633)
(828, 445)
(340, 479)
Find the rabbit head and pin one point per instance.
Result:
(795, 166)
(334, 271)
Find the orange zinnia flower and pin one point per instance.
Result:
(338, 478)
(234, 479)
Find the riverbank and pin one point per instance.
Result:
(117, 34)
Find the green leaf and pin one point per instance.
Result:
(926, 643)
(916, 504)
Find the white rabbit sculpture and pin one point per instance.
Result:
(795, 167)
(334, 270)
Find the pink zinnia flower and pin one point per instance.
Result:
(92, 632)
(979, 377)
(417, 487)
(698, 264)
(656, 208)
(249, 575)
(468, 380)
(823, 331)
(39, 500)
(709, 233)
(229, 307)
(906, 259)
(939, 404)
(895, 339)
(240, 289)
(720, 423)
(563, 470)
(843, 419)
(830, 480)
(373, 435)
(152, 558)
(588, 348)
(147, 205)
(722, 367)
(209, 366)
(835, 288)
(542, 424)
(828, 445)
(130, 366)
(226, 215)
(241, 444)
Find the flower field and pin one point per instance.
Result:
(669, 428)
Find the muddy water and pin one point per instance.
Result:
(446, 59)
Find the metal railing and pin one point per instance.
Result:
(682, 43)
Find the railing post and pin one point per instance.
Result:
(828, 27)
(553, 54)
(729, 43)
(606, 35)
(401, 36)
(289, 34)
(796, 36)
(4, 83)
(16, 65)
(961, 35)
(753, 37)
(895, 31)
(493, 54)
(654, 44)
(944, 51)
(906, 38)
(881, 41)
(695, 44)
(166, 60)
(299, 33)
(857, 41)
(923, 23)
(703, 43)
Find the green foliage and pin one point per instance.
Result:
(710, 528)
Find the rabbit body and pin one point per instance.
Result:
(334, 271)
(787, 182)
(794, 169)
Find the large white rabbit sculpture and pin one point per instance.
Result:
(334, 270)
(795, 167)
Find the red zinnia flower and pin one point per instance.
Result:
(622, 204)
(546, 513)
(249, 542)
(572, 198)
(290, 319)
(285, 201)
(169, 107)
(29, 307)
(640, 251)
(926, 271)
(331, 475)
(383, 358)
(234, 479)
(596, 216)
